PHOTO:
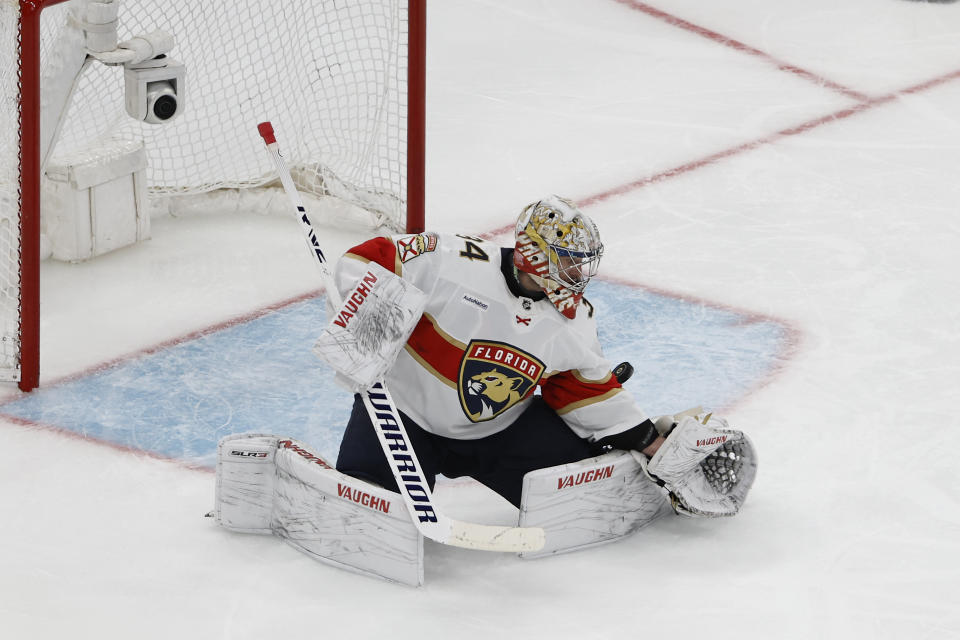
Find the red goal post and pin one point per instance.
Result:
(344, 80)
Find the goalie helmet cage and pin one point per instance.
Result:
(345, 80)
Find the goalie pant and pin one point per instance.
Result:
(465, 380)
(538, 439)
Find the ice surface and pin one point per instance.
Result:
(258, 374)
(844, 232)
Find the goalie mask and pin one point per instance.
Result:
(560, 248)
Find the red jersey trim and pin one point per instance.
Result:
(381, 250)
(437, 351)
(568, 390)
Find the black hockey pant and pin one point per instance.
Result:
(539, 438)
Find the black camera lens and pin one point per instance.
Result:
(165, 107)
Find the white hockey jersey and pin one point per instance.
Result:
(479, 351)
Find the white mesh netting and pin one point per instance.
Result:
(9, 192)
(330, 75)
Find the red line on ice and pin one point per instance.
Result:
(193, 335)
(730, 152)
(742, 47)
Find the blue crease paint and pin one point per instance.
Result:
(261, 376)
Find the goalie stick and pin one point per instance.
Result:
(389, 427)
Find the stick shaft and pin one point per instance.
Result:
(313, 244)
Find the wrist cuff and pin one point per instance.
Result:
(637, 438)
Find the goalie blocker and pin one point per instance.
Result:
(370, 327)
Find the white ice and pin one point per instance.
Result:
(847, 230)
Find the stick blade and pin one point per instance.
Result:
(485, 537)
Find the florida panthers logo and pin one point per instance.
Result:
(495, 376)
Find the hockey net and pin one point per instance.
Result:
(331, 75)
(9, 193)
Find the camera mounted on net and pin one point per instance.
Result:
(154, 89)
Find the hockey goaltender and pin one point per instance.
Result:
(463, 334)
